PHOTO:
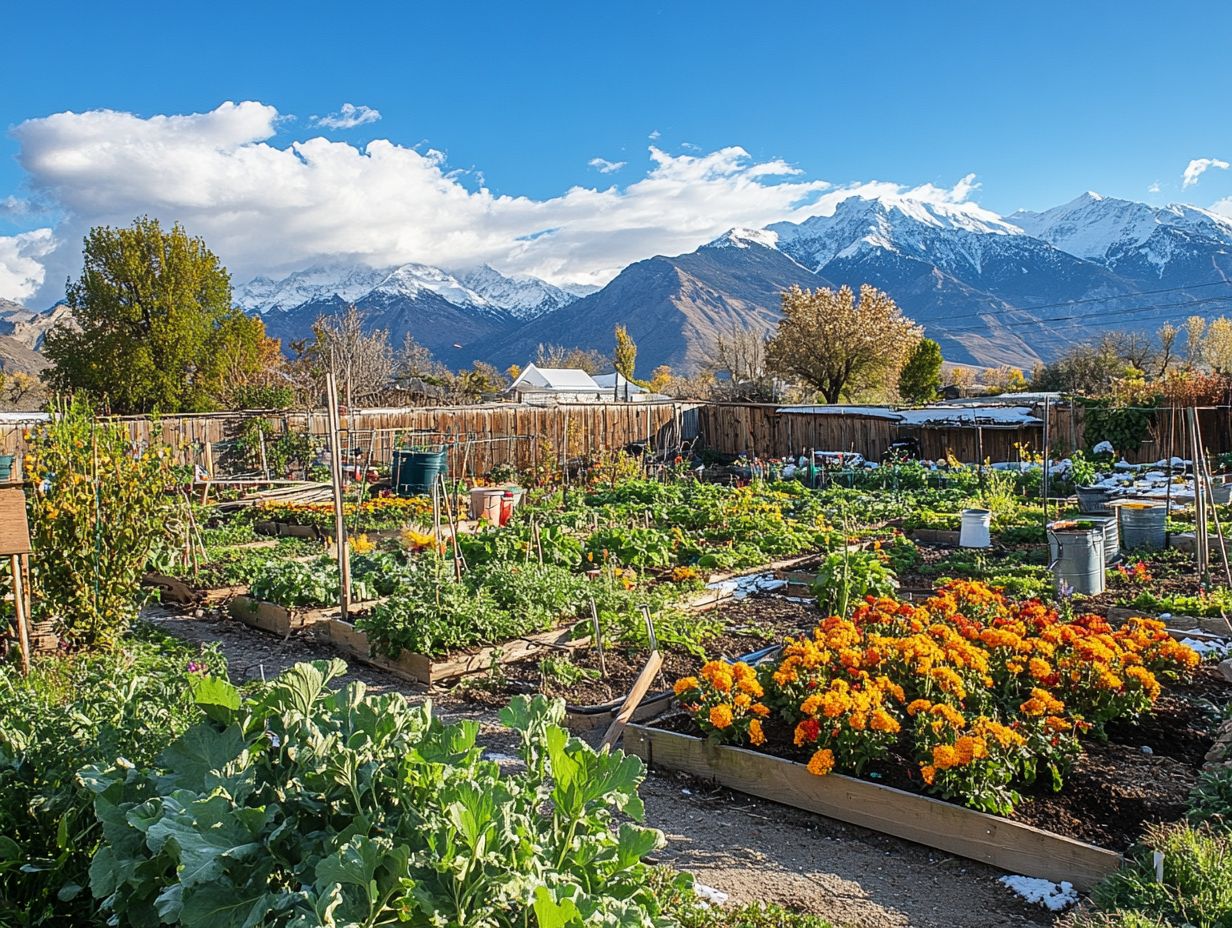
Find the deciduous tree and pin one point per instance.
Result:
(835, 344)
(920, 379)
(152, 324)
(624, 358)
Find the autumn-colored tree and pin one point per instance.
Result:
(624, 358)
(920, 379)
(835, 344)
(660, 379)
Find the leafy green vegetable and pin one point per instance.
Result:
(310, 807)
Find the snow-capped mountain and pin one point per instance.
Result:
(521, 296)
(345, 282)
(484, 289)
(992, 290)
(1175, 243)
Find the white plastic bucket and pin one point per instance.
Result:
(975, 533)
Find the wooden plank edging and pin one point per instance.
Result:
(419, 668)
(1009, 845)
(270, 617)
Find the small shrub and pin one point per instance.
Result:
(1196, 891)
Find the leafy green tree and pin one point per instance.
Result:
(920, 379)
(625, 355)
(153, 328)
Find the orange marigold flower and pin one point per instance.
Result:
(721, 716)
(756, 736)
(918, 705)
(883, 721)
(944, 756)
(684, 684)
(821, 762)
(807, 732)
(759, 710)
(929, 773)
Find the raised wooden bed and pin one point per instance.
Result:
(1003, 843)
(420, 668)
(280, 620)
(935, 536)
(579, 719)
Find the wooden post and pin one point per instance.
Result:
(640, 687)
(335, 460)
(15, 543)
(19, 610)
(208, 453)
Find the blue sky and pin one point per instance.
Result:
(1039, 101)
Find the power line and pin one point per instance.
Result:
(1012, 307)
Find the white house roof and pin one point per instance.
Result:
(555, 379)
(929, 415)
(616, 380)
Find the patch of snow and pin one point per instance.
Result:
(1052, 896)
(709, 895)
(743, 238)
(1205, 647)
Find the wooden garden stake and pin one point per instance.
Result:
(1210, 495)
(335, 460)
(641, 686)
(597, 632)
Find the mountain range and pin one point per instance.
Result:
(992, 289)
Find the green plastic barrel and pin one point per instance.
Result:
(6, 466)
(415, 472)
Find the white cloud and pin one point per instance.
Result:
(1223, 207)
(1154, 188)
(1198, 167)
(603, 166)
(268, 209)
(21, 272)
(654, 135)
(348, 117)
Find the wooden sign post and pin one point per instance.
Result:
(15, 545)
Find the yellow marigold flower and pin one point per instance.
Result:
(883, 721)
(821, 762)
(750, 686)
(756, 736)
(684, 684)
(1039, 668)
(811, 705)
(721, 716)
(858, 721)
(918, 705)
(945, 757)
(743, 700)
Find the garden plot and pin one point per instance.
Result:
(997, 730)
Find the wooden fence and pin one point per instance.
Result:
(482, 437)
(477, 438)
(761, 429)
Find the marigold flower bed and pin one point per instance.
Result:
(984, 695)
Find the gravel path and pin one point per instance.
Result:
(751, 849)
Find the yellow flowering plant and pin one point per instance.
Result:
(725, 701)
(99, 506)
(981, 691)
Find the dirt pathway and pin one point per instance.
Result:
(751, 849)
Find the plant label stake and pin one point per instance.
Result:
(15, 544)
(597, 632)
